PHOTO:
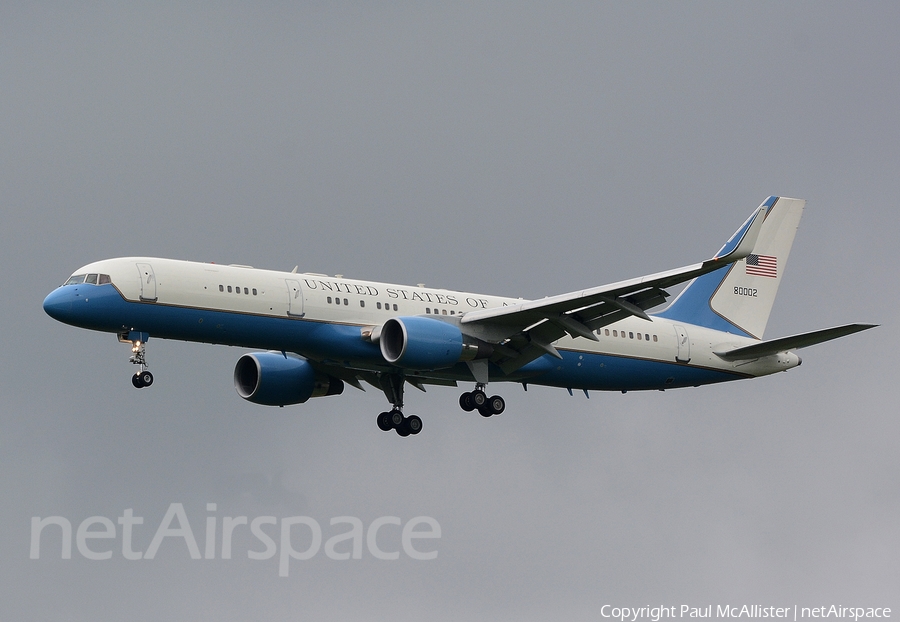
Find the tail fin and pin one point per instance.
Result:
(738, 298)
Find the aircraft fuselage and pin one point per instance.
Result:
(328, 319)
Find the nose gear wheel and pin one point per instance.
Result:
(143, 378)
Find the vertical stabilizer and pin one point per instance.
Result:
(738, 298)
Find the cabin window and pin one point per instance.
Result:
(346, 302)
(237, 290)
(229, 289)
(655, 339)
(221, 288)
(246, 291)
(75, 279)
(104, 279)
(395, 307)
(615, 333)
(639, 336)
(362, 303)
(452, 312)
(378, 305)
(630, 335)
(646, 337)
(254, 291)
(91, 279)
(606, 332)
(428, 310)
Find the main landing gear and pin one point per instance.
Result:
(478, 400)
(143, 378)
(394, 419)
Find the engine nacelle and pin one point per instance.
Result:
(271, 379)
(426, 343)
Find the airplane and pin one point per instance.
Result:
(317, 333)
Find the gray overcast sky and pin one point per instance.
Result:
(507, 148)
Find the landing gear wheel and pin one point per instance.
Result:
(136, 381)
(384, 422)
(497, 404)
(413, 424)
(466, 402)
(403, 428)
(485, 411)
(146, 378)
(478, 398)
(396, 419)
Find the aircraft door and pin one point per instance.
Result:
(295, 298)
(148, 282)
(684, 345)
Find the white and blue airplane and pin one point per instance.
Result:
(319, 333)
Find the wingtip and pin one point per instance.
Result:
(744, 239)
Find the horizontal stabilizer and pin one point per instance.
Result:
(774, 346)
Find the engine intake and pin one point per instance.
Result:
(425, 343)
(271, 379)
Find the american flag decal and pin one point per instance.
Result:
(762, 265)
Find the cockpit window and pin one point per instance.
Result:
(90, 279)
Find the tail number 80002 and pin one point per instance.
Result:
(745, 291)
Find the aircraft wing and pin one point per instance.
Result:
(523, 332)
(774, 346)
(355, 377)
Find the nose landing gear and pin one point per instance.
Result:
(143, 378)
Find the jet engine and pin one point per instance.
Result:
(272, 379)
(425, 343)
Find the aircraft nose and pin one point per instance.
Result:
(58, 304)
